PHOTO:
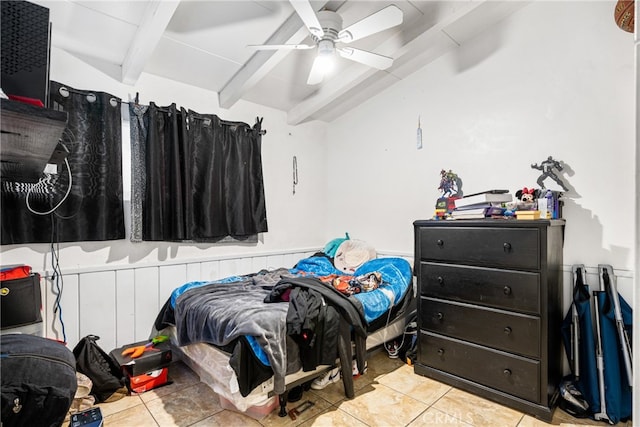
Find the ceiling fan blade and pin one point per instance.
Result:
(317, 72)
(367, 58)
(308, 15)
(280, 46)
(388, 17)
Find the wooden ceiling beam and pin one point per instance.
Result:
(154, 23)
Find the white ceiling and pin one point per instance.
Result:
(204, 43)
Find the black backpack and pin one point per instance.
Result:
(38, 381)
(107, 377)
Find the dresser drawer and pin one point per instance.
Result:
(516, 333)
(516, 248)
(506, 289)
(511, 374)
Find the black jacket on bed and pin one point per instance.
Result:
(350, 309)
(314, 326)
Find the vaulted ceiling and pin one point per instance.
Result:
(205, 44)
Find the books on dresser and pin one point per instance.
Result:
(479, 211)
(488, 197)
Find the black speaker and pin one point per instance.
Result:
(25, 46)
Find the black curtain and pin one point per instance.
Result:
(199, 177)
(93, 210)
(163, 203)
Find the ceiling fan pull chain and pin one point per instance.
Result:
(295, 174)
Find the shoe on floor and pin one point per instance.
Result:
(295, 394)
(330, 377)
(354, 368)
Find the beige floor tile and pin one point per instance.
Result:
(180, 376)
(334, 393)
(126, 402)
(379, 405)
(379, 363)
(137, 416)
(434, 418)
(388, 395)
(275, 420)
(227, 419)
(476, 410)
(334, 417)
(185, 407)
(421, 388)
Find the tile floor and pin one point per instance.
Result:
(388, 395)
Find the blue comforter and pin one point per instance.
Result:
(219, 323)
(396, 279)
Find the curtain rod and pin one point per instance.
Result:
(91, 97)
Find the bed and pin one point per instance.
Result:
(254, 337)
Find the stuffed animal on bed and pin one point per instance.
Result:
(351, 254)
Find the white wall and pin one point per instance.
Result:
(295, 222)
(554, 79)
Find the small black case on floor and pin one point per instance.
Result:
(90, 418)
(38, 381)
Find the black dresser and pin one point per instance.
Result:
(490, 308)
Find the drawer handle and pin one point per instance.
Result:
(440, 242)
(440, 280)
(506, 246)
(507, 330)
(440, 351)
(440, 316)
(507, 290)
(507, 372)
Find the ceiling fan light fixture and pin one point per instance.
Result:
(326, 56)
(326, 48)
(325, 64)
(326, 30)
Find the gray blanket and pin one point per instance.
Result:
(218, 313)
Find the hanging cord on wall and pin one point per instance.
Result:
(40, 183)
(295, 173)
(56, 276)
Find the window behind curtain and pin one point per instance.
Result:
(195, 177)
(93, 209)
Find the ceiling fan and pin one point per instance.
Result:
(326, 30)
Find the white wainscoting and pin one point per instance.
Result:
(120, 303)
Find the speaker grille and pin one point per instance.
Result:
(24, 36)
